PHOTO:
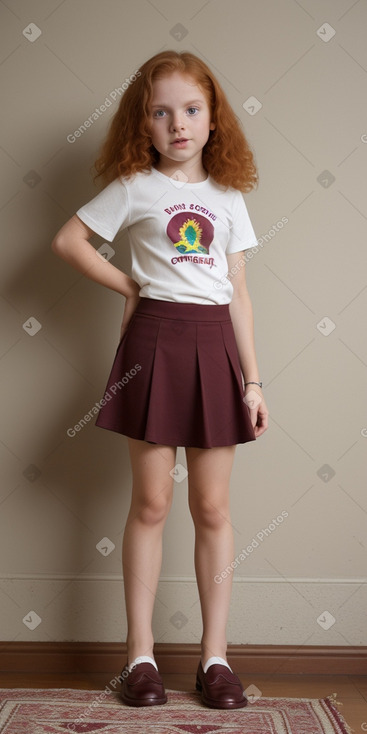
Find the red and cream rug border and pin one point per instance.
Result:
(54, 710)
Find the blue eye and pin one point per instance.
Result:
(193, 109)
(157, 113)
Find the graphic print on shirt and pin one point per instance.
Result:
(190, 234)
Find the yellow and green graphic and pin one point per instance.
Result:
(190, 233)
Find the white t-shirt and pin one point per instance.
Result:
(179, 233)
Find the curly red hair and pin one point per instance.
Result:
(128, 149)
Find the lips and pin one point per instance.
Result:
(179, 140)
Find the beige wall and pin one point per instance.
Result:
(305, 278)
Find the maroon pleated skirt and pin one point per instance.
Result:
(176, 378)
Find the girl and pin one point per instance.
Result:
(175, 162)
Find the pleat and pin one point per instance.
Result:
(172, 398)
(125, 412)
(213, 383)
(224, 414)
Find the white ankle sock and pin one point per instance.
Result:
(215, 661)
(142, 659)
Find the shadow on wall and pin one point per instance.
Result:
(75, 477)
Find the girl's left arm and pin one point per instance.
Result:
(241, 314)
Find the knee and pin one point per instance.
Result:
(210, 515)
(154, 511)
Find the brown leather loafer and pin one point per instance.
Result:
(143, 686)
(220, 688)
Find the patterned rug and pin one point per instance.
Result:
(60, 711)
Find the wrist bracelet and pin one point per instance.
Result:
(254, 383)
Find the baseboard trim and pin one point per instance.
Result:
(109, 657)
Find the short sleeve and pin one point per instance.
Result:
(108, 212)
(242, 233)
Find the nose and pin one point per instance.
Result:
(177, 123)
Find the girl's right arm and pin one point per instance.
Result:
(71, 244)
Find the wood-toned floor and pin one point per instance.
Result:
(350, 690)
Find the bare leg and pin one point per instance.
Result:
(142, 544)
(209, 477)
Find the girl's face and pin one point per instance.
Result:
(180, 122)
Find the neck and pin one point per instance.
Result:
(187, 173)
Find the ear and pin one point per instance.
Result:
(212, 126)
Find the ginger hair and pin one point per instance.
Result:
(128, 149)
